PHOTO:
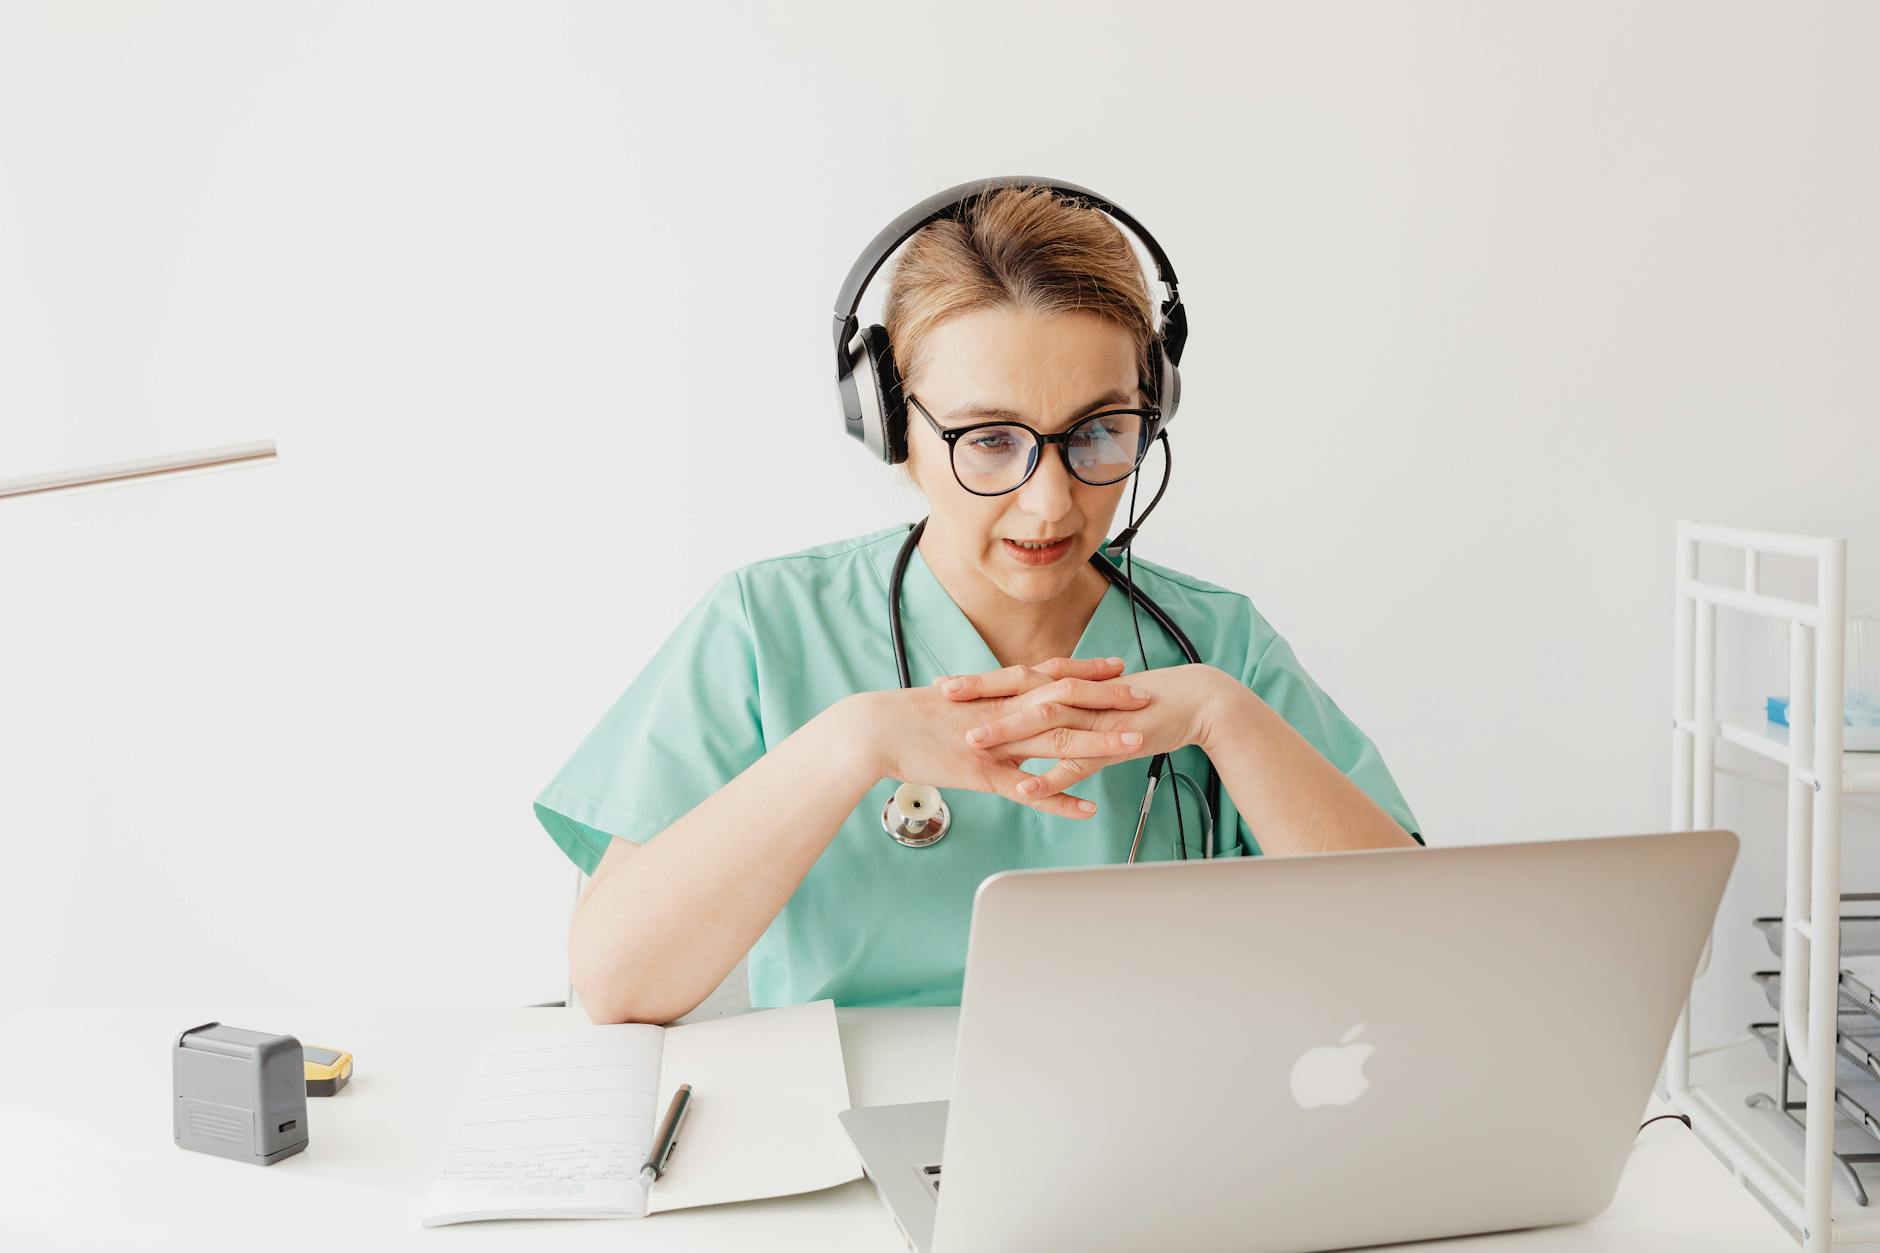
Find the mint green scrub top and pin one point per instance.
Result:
(873, 922)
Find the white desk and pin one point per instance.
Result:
(86, 1160)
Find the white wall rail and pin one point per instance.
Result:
(172, 465)
(1752, 1133)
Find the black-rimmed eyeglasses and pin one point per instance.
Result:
(993, 458)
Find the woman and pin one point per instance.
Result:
(762, 741)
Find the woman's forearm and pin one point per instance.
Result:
(654, 935)
(1293, 799)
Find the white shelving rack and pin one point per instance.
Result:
(1758, 1144)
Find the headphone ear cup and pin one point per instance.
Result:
(871, 396)
(888, 400)
(1168, 390)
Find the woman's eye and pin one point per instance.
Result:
(990, 443)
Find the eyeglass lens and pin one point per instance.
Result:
(1101, 449)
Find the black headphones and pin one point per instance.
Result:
(870, 385)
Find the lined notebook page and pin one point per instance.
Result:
(555, 1125)
(766, 1089)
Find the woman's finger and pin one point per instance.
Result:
(1067, 742)
(1015, 679)
(1067, 703)
(1052, 782)
(1009, 779)
(1060, 803)
(1086, 694)
(1032, 720)
(1007, 682)
(1081, 667)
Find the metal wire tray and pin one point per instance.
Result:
(1860, 934)
(1854, 1009)
(1860, 937)
(1857, 1040)
(1856, 1083)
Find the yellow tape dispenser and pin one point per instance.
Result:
(327, 1069)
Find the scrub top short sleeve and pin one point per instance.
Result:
(686, 725)
(1276, 676)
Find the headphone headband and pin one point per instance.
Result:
(952, 203)
(868, 383)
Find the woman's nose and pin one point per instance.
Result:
(1047, 493)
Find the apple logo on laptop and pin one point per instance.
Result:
(1332, 1074)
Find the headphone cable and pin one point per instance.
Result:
(1126, 539)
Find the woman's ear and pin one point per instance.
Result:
(910, 438)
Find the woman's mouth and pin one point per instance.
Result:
(1037, 552)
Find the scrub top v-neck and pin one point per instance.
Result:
(774, 643)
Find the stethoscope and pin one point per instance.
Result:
(917, 816)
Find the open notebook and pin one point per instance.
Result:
(557, 1123)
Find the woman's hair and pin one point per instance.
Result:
(1018, 247)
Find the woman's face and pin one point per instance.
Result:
(1045, 371)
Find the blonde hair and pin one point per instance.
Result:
(1018, 247)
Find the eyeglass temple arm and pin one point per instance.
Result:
(1129, 533)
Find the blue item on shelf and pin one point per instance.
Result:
(1860, 715)
(1865, 716)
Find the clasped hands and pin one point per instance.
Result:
(1081, 712)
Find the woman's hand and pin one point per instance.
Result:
(919, 735)
(1084, 740)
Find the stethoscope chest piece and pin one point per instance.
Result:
(915, 815)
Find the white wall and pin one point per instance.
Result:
(1484, 298)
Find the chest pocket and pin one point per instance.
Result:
(1167, 831)
(1164, 836)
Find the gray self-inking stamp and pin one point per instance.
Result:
(240, 1094)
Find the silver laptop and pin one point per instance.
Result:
(1302, 1053)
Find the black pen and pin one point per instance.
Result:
(668, 1134)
